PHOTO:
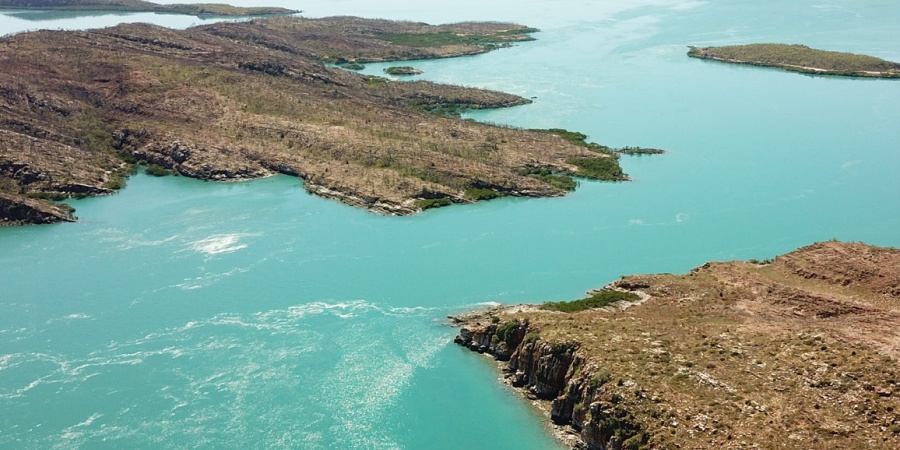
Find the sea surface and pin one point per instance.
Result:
(188, 314)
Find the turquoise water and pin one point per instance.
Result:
(188, 314)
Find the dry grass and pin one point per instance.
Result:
(800, 58)
(801, 353)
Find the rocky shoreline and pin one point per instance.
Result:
(558, 380)
(800, 59)
(239, 101)
(801, 351)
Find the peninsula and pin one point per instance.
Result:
(79, 110)
(800, 58)
(797, 352)
(191, 9)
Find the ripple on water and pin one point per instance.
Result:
(237, 378)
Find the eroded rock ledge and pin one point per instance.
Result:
(18, 210)
(557, 374)
(796, 352)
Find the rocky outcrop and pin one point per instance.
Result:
(799, 351)
(555, 372)
(18, 210)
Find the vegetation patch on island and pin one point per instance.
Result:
(191, 9)
(402, 70)
(797, 352)
(80, 110)
(598, 299)
(800, 58)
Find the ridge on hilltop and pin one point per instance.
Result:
(798, 352)
(79, 110)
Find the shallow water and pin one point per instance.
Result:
(183, 313)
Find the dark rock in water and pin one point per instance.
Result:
(403, 70)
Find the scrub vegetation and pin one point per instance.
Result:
(797, 352)
(598, 299)
(243, 100)
(800, 58)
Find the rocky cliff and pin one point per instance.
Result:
(557, 373)
(18, 210)
(797, 352)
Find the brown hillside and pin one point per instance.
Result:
(799, 353)
(235, 101)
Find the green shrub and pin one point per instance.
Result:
(157, 171)
(563, 182)
(429, 203)
(635, 442)
(507, 330)
(598, 300)
(600, 378)
(483, 194)
(606, 169)
(402, 70)
(579, 139)
(547, 175)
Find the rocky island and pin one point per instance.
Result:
(79, 110)
(191, 9)
(797, 352)
(800, 58)
(403, 70)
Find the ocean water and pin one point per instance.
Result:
(182, 313)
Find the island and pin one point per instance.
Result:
(800, 58)
(191, 9)
(82, 110)
(403, 70)
(800, 351)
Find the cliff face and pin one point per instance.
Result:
(798, 352)
(557, 373)
(18, 210)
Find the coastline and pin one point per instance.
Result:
(179, 104)
(710, 358)
(789, 57)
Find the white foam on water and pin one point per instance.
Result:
(244, 378)
(126, 240)
(70, 317)
(209, 279)
(218, 244)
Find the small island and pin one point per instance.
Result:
(801, 59)
(191, 9)
(802, 348)
(403, 71)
